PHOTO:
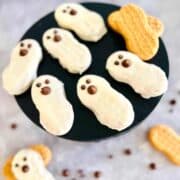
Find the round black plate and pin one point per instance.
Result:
(86, 127)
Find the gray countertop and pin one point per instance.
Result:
(16, 16)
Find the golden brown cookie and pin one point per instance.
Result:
(44, 151)
(156, 25)
(140, 33)
(165, 139)
(7, 172)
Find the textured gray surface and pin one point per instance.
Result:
(16, 16)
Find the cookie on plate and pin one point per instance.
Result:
(141, 32)
(71, 54)
(29, 164)
(165, 139)
(22, 69)
(111, 108)
(87, 24)
(55, 111)
(146, 79)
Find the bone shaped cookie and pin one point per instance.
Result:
(87, 24)
(71, 54)
(56, 112)
(141, 32)
(21, 71)
(111, 108)
(146, 79)
(29, 164)
(165, 139)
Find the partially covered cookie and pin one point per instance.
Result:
(72, 55)
(146, 79)
(87, 24)
(55, 111)
(21, 71)
(28, 164)
(111, 108)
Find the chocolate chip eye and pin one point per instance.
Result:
(88, 81)
(29, 45)
(16, 165)
(48, 37)
(64, 11)
(83, 87)
(22, 44)
(24, 159)
(116, 63)
(47, 81)
(68, 7)
(55, 32)
(38, 85)
(120, 56)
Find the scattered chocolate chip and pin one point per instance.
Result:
(172, 102)
(47, 81)
(22, 44)
(29, 45)
(65, 172)
(23, 52)
(38, 85)
(116, 63)
(73, 12)
(152, 166)
(110, 156)
(25, 168)
(45, 90)
(57, 38)
(83, 87)
(120, 56)
(48, 37)
(24, 159)
(88, 81)
(13, 126)
(16, 165)
(127, 152)
(97, 174)
(126, 63)
(92, 89)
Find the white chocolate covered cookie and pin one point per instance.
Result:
(21, 71)
(111, 108)
(28, 165)
(87, 24)
(71, 54)
(56, 112)
(146, 79)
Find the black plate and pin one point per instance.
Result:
(86, 127)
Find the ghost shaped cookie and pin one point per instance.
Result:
(71, 54)
(29, 164)
(21, 71)
(110, 107)
(87, 24)
(55, 111)
(146, 79)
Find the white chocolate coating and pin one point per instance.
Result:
(87, 24)
(21, 71)
(71, 54)
(56, 112)
(146, 79)
(111, 108)
(28, 165)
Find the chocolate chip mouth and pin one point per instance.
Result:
(25, 168)
(92, 89)
(23, 52)
(57, 38)
(45, 90)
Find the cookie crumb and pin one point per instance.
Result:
(97, 174)
(13, 126)
(127, 152)
(172, 102)
(152, 166)
(65, 172)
